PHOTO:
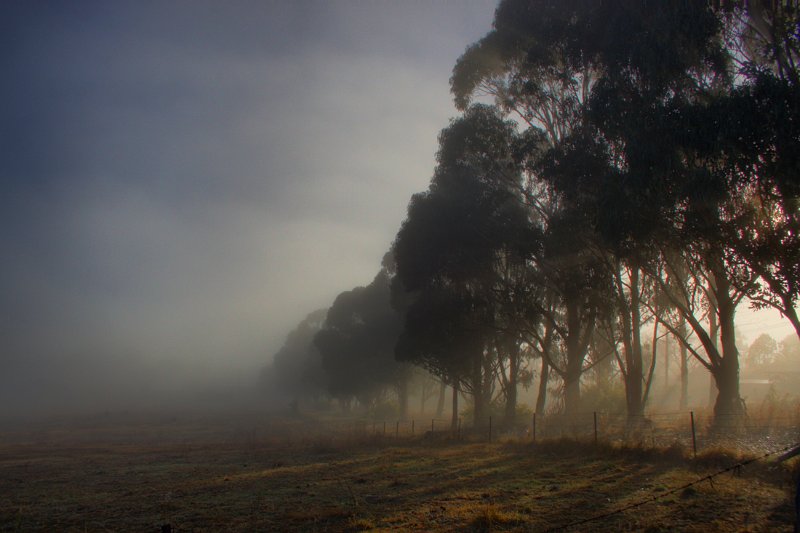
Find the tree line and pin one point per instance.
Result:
(620, 172)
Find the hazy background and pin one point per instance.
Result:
(182, 182)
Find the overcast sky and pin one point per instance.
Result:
(183, 181)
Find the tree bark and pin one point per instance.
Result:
(576, 343)
(478, 394)
(684, 402)
(511, 387)
(728, 407)
(633, 355)
(454, 415)
(440, 403)
(541, 395)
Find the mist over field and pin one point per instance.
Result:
(183, 182)
(430, 265)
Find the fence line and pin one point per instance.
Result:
(693, 430)
(662, 495)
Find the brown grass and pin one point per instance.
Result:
(222, 482)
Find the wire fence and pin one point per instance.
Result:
(692, 430)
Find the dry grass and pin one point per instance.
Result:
(240, 482)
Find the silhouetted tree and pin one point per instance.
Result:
(296, 369)
(357, 345)
(458, 250)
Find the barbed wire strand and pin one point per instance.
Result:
(710, 478)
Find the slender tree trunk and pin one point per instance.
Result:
(713, 331)
(666, 364)
(544, 377)
(541, 395)
(478, 392)
(576, 352)
(440, 403)
(511, 388)
(684, 367)
(454, 415)
(635, 375)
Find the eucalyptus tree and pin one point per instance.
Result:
(630, 81)
(457, 251)
(523, 63)
(357, 345)
(296, 368)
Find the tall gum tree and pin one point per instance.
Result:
(654, 66)
(456, 245)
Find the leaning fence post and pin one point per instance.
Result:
(595, 427)
(534, 428)
(490, 428)
(694, 437)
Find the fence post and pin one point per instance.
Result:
(534, 428)
(459, 429)
(384, 428)
(694, 437)
(595, 427)
(397, 429)
(490, 428)
(432, 421)
(412, 427)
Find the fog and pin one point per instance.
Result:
(183, 182)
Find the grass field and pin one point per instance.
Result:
(195, 477)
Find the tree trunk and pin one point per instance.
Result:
(478, 392)
(541, 395)
(576, 353)
(572, 391)
(511, 388)
(713, 331)
(666, 365)
(635, 375)
(684, 367)
(440, 403)
(728, 407)
(454, 415)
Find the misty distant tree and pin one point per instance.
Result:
(357, 346)
(296, 369)
(762, 351)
